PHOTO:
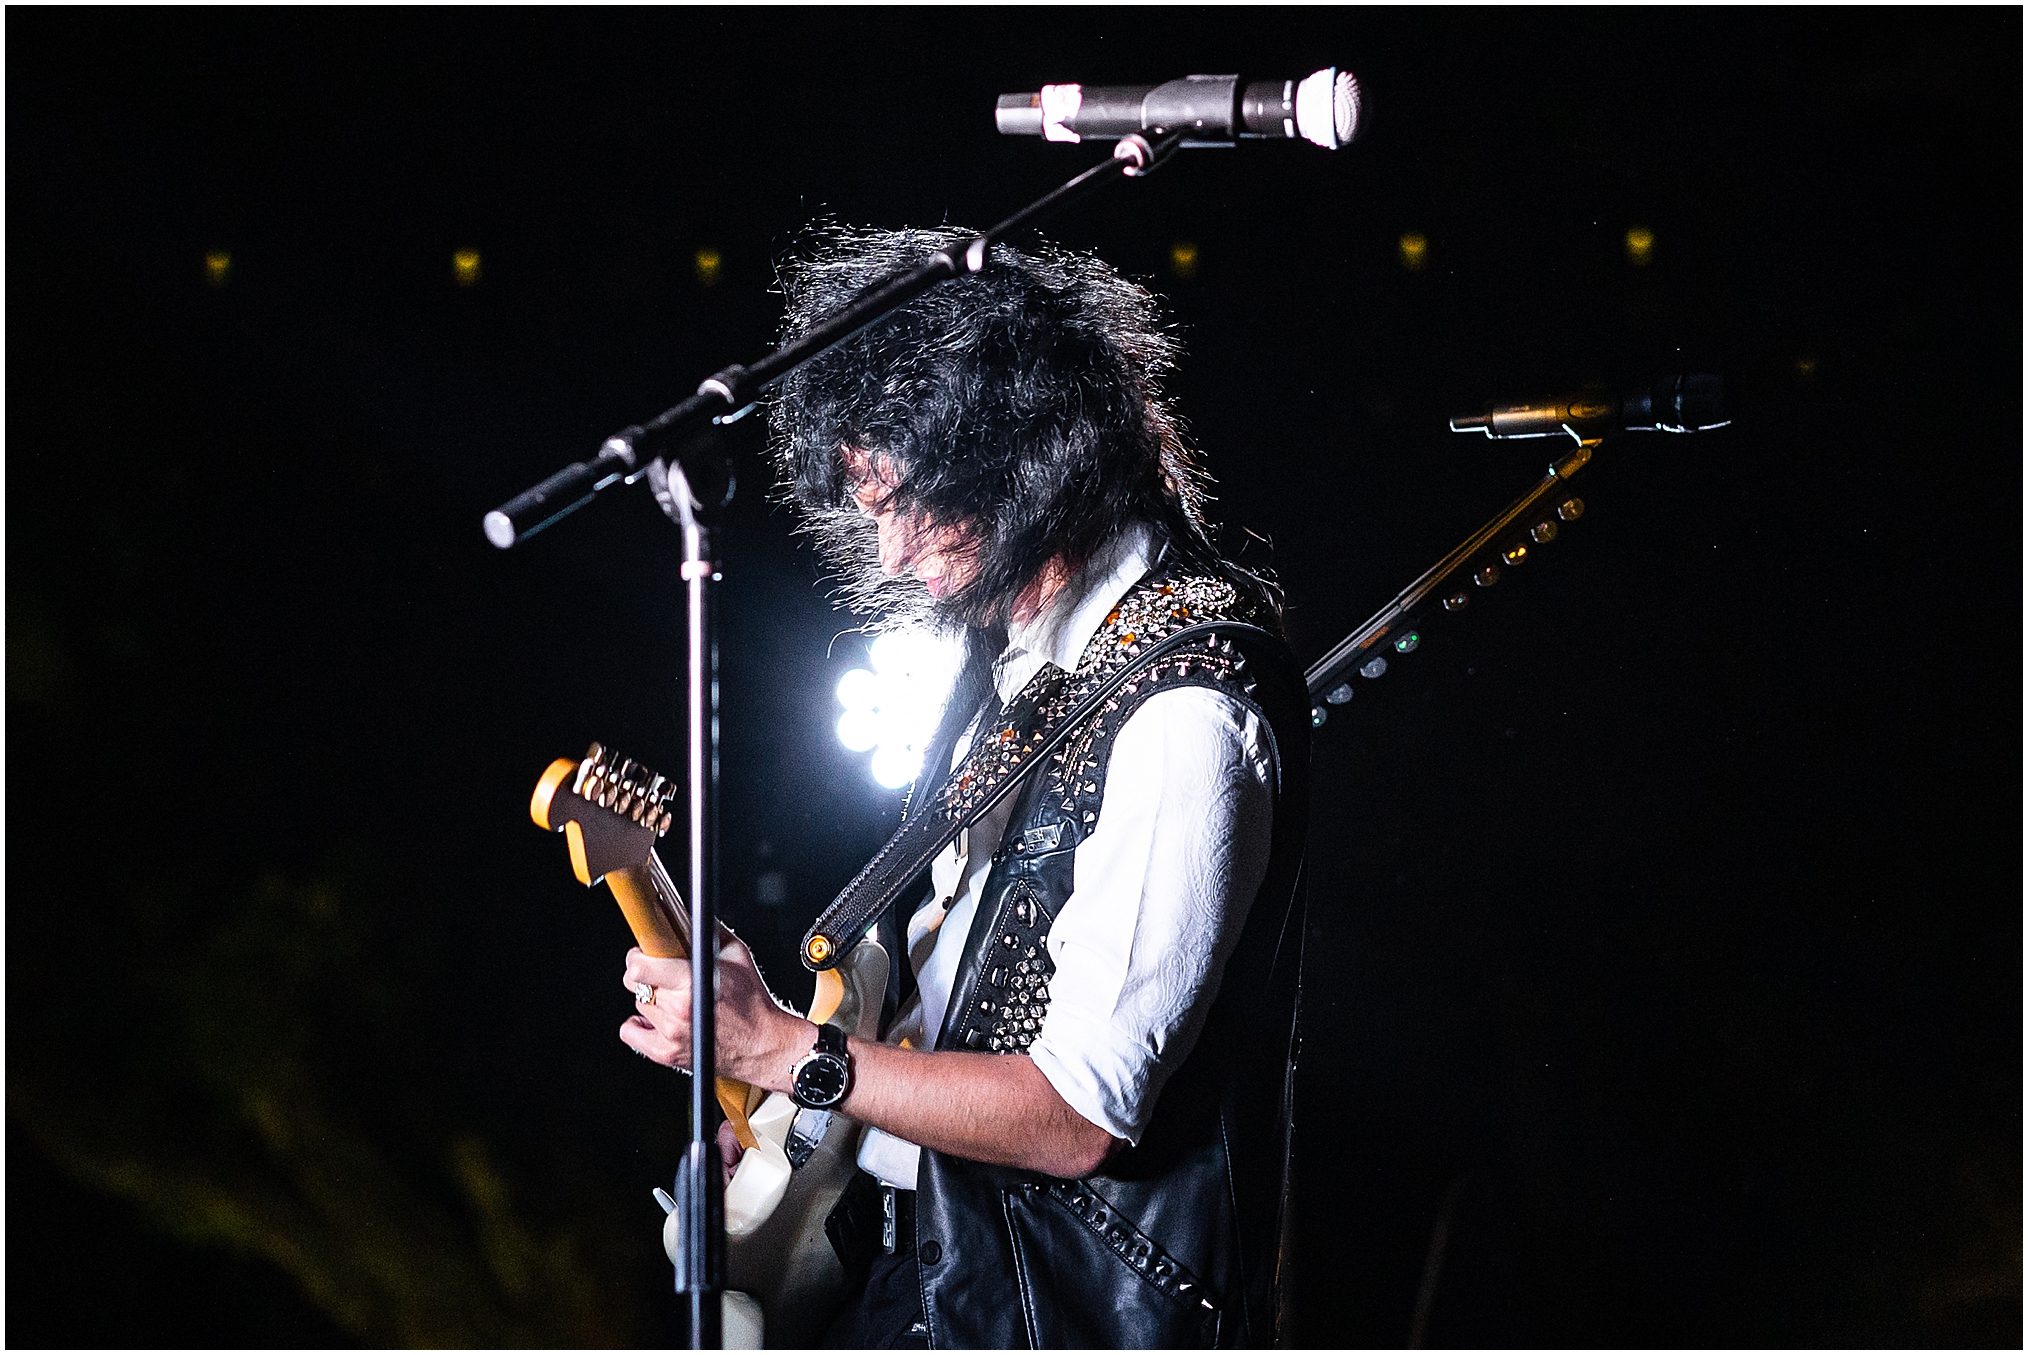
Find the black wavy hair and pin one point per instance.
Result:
(1021, 404)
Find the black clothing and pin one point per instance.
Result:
(888, 1314)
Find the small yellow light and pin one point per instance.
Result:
(217, 267)
(1414, 251)
(708, 263)
(465, 267)
(1806, 367)
(1640, 246)
(1183, 259)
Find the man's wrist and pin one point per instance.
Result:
(797, 1038)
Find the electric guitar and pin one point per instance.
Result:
(783, 1278)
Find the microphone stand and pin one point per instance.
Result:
(682, 454)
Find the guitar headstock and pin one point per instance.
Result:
(611, 809)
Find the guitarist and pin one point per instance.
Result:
(1077, 1122)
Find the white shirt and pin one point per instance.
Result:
(1162, 883)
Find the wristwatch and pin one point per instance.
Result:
(822, 1077)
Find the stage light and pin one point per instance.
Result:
(893, 708)
(1183, 259)
(708, 264)
(217, 267)
(465, 267)
(1414, 251)
(1640, 246)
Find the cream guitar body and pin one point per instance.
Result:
(784, 1282)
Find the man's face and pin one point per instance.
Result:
(938, 555)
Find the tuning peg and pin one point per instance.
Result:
(628, 788)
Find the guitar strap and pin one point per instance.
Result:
(1031, 727)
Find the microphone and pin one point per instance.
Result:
(1217, 110)
(1672, 404)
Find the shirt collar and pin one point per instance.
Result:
(1059, 633)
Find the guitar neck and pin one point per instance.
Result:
(626, 804)
(1534, 516)
(653, 907)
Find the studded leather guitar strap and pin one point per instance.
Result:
(1003, 755)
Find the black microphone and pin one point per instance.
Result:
(1672, 404)
(1216, 110)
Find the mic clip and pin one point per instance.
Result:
(1142, 157)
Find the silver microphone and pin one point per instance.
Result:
(1324, 107)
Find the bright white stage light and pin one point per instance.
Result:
(893, 709)
(895, 767)
(858, 730)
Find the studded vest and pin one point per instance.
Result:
(1173, 1242)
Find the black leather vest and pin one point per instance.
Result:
(1175, 1241)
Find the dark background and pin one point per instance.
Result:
(1666, 913)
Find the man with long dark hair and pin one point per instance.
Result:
(1078, 1114)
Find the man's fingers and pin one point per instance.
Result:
(729, 1151)
(662, 973)
(667, 1018)
(651, 1043)
(653, 979)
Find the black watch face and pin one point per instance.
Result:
(822, 1080)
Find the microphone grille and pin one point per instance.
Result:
(1328, 108)
(1345, 107)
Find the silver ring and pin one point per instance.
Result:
(644, 993)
